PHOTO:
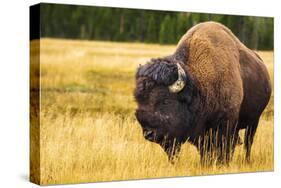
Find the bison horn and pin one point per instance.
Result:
(178, 85)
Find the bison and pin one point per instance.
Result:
(211, 87)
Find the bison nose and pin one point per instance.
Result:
(149, 135)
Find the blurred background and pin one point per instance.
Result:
(148, 26)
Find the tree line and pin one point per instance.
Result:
(149, 26)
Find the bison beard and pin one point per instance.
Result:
(204, 93)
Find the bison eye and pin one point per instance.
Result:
(165, 102)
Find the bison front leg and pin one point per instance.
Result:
(215, 151)
(207, 148)
(172, 149)
(218, 144)
(226, 142)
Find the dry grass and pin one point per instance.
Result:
(88, 129)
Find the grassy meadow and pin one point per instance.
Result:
(88, 130)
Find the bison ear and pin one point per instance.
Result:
(160, 70)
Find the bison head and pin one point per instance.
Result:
(163, 93)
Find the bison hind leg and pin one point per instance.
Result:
(249, 137)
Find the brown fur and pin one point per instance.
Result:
(213, 62)
(227, 89)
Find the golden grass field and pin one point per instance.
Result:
(88, 130)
